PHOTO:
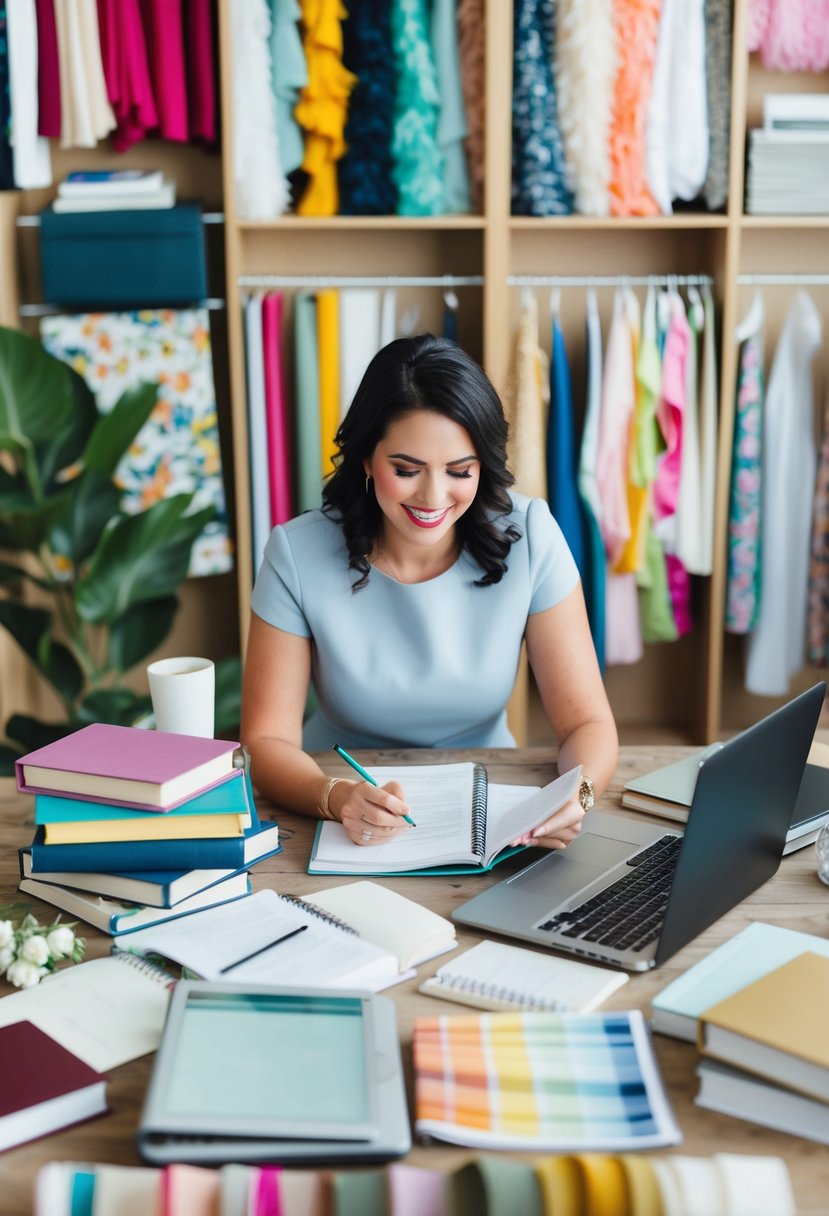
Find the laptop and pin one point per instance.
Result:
(632, 894)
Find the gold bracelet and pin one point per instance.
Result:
(324, 807)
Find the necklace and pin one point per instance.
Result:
(383, 555)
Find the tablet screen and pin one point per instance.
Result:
(264, 1063)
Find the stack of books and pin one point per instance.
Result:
(788, 157)
(756, 1008)
(134, 826)
(115, 190)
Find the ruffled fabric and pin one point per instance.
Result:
(452, 127)
(289, 74)
(637, 27)
(539, 168)
(261, 189)
(718, 83)
(585, 68)
(127, 71)
(365, 172)
(323, 105)
(418, 164)
(791, 35)
(471, 37)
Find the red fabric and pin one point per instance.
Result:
(124, 56)
(276, 411)
(48, 71)
(165, 43)
(201, 71)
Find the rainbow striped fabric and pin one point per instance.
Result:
(540, 1080)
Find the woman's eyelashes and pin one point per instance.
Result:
(457, 474)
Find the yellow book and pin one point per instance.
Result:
(156, 827)
(776, 1026)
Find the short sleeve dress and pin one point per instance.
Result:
(410, 665)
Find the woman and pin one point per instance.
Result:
(406, 600)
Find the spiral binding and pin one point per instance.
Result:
(479, 789)
(146, 966)
(497, 992)
(320, 914)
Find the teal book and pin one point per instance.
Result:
(231, 797)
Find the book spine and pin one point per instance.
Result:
(124, 857)
(479, 793)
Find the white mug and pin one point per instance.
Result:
(183, 693)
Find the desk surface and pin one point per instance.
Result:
(794, 898)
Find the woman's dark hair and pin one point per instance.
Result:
(423, 373)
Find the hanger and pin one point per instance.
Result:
(555, 304)
(695, 307)
(753, 319)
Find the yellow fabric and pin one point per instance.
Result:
(645, 1195)
(322, 108)
(328, 348)
(562, 1187)
(632, 557)
(605, 1185)
(526, 401)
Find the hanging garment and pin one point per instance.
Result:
(539, 168)
(743, 577)
(637, 27)
(86, 115)
(526, 402)
(623, 628)
(30, 151)
(791, 35)
(280, 460)
(163, 23)
(365, 171)
(307, 412)
(48, 71)
(417, 161)
(718, 80)
(259, 181)
(689, 136)
(586, 66)
(328, 346)
(709, 393)
(6, 164)
(818, 601)
(777, 646)
(670, 412)
(452, 129)
(127, 71)
(563, 495)
(471, 19)
(595, 579)
(388, 317)
(449, 328)
(289, 75)
(618, 400)
(177, 450)
(359, 322)
(201, 72)
(691, 545)
(631, 557)
(323, 105)
(648, 389)
(656, 612)
(260, 489)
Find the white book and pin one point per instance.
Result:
(159, 200)
(733, 1092)
(499, 977)
(91, 183)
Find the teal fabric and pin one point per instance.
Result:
(418, 163)
(83, 1193)
(307, 403)
(452, 128)
(289, 74)
(423, 665)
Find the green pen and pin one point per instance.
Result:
(358, 768)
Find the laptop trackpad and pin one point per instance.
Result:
(559, 875)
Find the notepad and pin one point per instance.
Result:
(463, 824)
(499, 977)
(390, 920)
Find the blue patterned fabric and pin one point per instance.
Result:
(562, 461)
(6, 162)
(539, 183)
(418, 162)
(365, 172)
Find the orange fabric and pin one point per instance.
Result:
(637, 26)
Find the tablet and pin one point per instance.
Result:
(247, 1072)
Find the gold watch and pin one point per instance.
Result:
(587, 797)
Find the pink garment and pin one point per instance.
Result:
(127, 74)
(623, 630)
(669, 414)
(201, 72)
(618, 400)
(268, 1197)
(276, 411)
(48, 71)
(791, 35)
(165, 44)
(679, 589)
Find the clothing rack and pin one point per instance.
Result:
(781, 280)
(608, 280)
(336, 280)
(33, 221)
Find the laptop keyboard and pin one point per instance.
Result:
(628, 914)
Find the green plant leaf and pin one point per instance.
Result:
(11, 575)
(228, 694)
(120, 706)
(91, 503)
(143, 557)
(32, 732)
(27, 623)
(115, 431)
(27, 526)
(59, 666)
(35, 397)
(139, 631)
(31, 627)
(7, 759)
(65, 447)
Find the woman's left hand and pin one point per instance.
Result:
(558, 831)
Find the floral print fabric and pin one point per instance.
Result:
(539, 169)
(743, 580)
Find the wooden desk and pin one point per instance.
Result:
(794, 898)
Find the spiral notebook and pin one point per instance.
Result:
(463, 824)
(498, 977)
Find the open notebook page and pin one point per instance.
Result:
(508, 817)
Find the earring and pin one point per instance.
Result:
(368, 482)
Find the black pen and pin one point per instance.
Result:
(262, 949)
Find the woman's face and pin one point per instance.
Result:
(426, 473)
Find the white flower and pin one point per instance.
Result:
(6, 932)
(61, 941)
(6, 957)
(35, 950)
(23, 974)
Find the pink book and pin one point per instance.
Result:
(148, 770)
(280, 460)
(190, 1190)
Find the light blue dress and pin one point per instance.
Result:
(410, 665)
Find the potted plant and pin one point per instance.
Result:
(86, 590)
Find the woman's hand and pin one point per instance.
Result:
(374, 814)
(558, 831)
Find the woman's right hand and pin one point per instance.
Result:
(373, 814)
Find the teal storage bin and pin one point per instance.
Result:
(123, 259)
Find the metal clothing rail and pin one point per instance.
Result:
(338, 280)
(50, 310)
(33, 221)
(608, 280)
(771, 280)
